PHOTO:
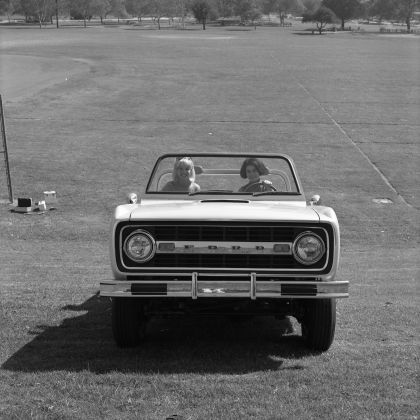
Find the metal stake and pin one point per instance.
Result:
(4, 151)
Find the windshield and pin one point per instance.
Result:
(223, 174)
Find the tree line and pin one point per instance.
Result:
(320, 11)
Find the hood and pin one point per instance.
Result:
(223, 210)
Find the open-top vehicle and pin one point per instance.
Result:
(224, 234)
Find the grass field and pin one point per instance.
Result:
(87, 113)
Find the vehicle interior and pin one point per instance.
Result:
(222, 175)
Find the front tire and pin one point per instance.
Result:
(318, 325)
(128, 321)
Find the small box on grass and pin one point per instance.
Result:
(24, 202)
(24, 205)
(42, 206)
(50, 197)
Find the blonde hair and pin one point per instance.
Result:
(183, 161)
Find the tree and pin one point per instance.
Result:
(311, 5)
(254, 14)
(181, 10)
(383, 9)
(42, 10)
(283, 7)
(9, 7)
(406, 9)
(201, 10)
(322, 16)
(161, 8)
(101, 8)
(118, 8)
(26, 9)
(344, 9)
(394, 9)
(82, 8)
(59, 6)
(246, 10)
(39, 10)
(137, 8)
(224, 8)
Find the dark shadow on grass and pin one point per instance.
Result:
(239, 29)
(182, 345)
(145, 28)
(305, 33)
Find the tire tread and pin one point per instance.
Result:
(320, 324)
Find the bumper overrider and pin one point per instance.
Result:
(200, 285)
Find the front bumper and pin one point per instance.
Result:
(251, 287)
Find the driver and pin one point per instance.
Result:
(252, 169)
(183, 177)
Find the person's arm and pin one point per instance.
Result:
(267, 185)
(194, 188)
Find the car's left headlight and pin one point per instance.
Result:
(140, 246)
(308, 248)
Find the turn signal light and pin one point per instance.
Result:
(166, 246)
(282, 248)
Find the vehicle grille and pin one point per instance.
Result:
(230, 232)
(221, 233)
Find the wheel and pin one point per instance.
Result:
(128, 321)
(318, 325)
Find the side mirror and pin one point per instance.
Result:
(132, 198)
(315, 200)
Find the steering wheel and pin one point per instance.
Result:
(270, 187)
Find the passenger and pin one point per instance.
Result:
(252, 169)
(183, 177)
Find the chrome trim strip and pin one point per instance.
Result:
(217, 274)
(204, 274)
(222, 247)
(322, 284)
(233, 270)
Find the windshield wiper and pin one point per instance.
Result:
(256, 194)
(211, 192)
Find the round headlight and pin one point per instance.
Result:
(140, 246)
(308, 248)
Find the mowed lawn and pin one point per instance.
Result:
(87, 113)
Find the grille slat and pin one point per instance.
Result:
(221, 233)
(220, 260)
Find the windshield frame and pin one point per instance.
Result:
(286, 158)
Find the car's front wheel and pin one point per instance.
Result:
(318, 324)
(128, 321)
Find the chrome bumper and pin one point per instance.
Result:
(250, 288)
